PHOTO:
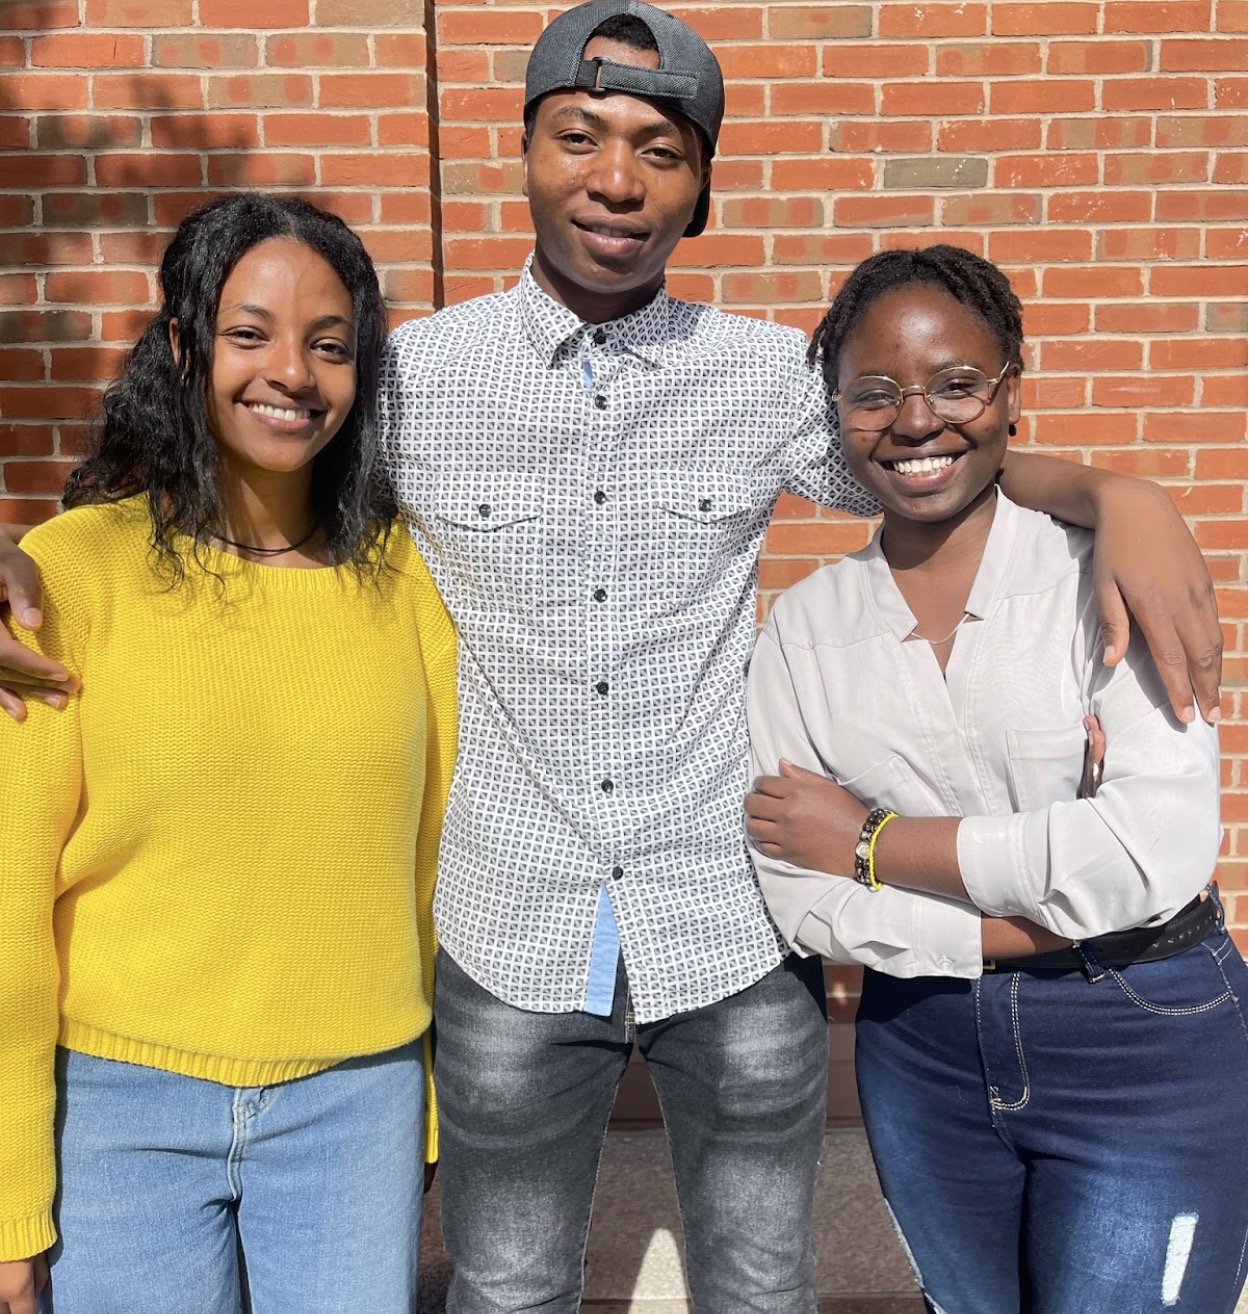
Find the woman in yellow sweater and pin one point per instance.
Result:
(216, 883)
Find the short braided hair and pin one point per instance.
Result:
(972, 280)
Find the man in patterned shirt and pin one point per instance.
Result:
(589, 466)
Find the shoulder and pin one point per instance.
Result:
(712, 327)
(1045, 552)
(414, 582)
(90, 541)
(424, 342)
(827, 609)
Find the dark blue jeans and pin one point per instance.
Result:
(1052, 1145)
(524, 1100)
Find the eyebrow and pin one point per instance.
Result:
(248, 308)
(657, 127)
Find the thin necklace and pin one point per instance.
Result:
(265, 551)
(937, 643)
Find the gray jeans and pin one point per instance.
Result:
(524, 1100)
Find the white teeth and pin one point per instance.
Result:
(279, 412)
(609, 232)
(923, 465)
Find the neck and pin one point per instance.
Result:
(946, 544)
(592, 307)
(263, 509)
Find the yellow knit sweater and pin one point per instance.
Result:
(209, 855)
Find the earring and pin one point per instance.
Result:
(1011, 431)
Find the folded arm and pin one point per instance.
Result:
(25, 671)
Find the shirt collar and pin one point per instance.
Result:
(990, 575)
(552, 327)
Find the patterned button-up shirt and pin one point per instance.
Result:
(592, 500)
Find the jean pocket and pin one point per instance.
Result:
(1192, 982)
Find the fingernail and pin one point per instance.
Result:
(1187, 714)
(1215, 714)
(31, 616)
(52, 699)
(1106, 655)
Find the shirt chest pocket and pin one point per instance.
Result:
(489, 528)
(1045, 766)
(699, 519)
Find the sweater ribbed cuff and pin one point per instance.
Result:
(23, 1238)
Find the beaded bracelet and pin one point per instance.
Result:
(866, 846)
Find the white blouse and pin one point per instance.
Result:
(999, 742)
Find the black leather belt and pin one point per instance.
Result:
(1144, 944)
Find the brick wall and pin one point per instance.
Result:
(1094, 148)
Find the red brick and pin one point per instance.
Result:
(139, 91)
(44, 91)
(97, 286)
(18, 289)
(820, 249)
(270, 169)
(320, 129)
(195, 50)
(1225, 244)
(1196, 281)
(989, 135)
(771, 212)
(821, 98)
(1098, 57)
(484, 27)
(1103, 134)
(1092, 355)
(770, 138)
(1051, 318)
(1198, 353)
(1216, 55)
(411, 207)
(722, 250)
(768, 61)
(139, 13)
(1103, 430)
(46, 403)
(1200, 130)
(247, 14)
(1230, 16)
(815, 22)
(149, 169)
(1093, 282)
(1145, 244)
(1204, 207)
(1145, 462)
(932, 98)
(1052, 19)
(38, 15)
(1050, 170)
(1160, 168)
(1136, 391)
(87, 131)
(140, 248)
(1040, 247)
(1149, 317)
(206, 131)
(884, 211)
(1048, 96)
(1220, 463)
(1224, 390)
(403, 129)
(317, 50)
(913, 22)
(260, 91)
(21, 364)
(487, 252)
(375, 169)
(852, 136)
(1194, 427)
(907, 60)
(100, 208)
(1106, 206)
(37, 171)
(87, 364)
(87, 50)
(400, 49)
(455, 64)
(1156, 16)
(502, 104)
(990, 209)
(1230, 169)
(992, 59)
(1155, 94)
(831, 173)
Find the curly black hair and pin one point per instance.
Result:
(154, 438)
(970, 279)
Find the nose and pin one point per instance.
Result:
(615, 176)
(289, 366)
(915, 421)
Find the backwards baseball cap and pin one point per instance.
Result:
(688, 80)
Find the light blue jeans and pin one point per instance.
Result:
(182, 1196)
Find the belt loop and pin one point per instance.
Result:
(1093, 969)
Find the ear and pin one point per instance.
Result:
(525, 164)
(1013, 396)
(174, 344)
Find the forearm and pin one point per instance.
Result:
(921, 853)
(1013, 937)
(14, 533)
(1066, 490)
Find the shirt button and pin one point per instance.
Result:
(483, 510)
(607, 786)
(705, 504)
(600, 595)
(600, 337)
(617, 873)
(600, 497)
(601, 687)
(601, 403)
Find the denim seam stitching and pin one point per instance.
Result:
(1162, 1011)
(1026, 1092)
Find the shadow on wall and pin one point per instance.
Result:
(100, 158)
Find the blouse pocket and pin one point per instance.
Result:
(892, 784)
(1045, 766)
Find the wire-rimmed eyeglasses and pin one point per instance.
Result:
(957, 395)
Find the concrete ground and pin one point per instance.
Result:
(634, 1257)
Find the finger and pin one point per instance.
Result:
(1168, 654)
(19, 582)
(16, 708)
(30, 665)
(41, 1273)
(1113, 622)
(791, 772)
(760, 807)
(14, 679)
(761, 832)
(1203, 641)
(771, 786)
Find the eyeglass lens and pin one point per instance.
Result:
(956, 395)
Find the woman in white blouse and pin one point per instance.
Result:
(1054, 1010)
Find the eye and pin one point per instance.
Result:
(870, 395)
(334, 348)
(242, 335)
(967, 384)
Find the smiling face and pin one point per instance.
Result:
(283, 377)
(612, 182)
(921, 467)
